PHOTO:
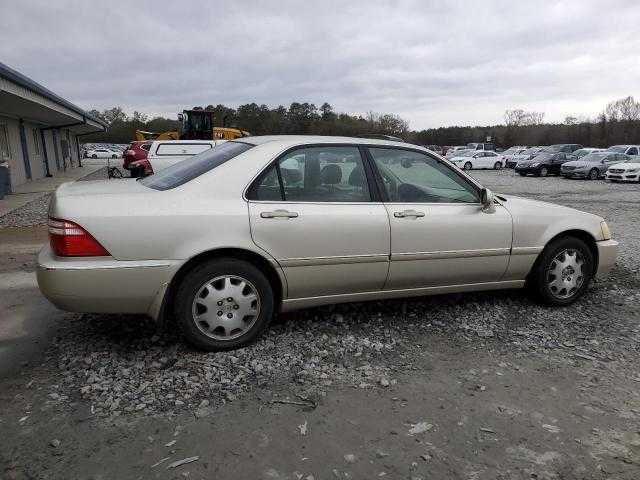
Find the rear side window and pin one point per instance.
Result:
(145, 146)
(181, 148)
(314, 174)
(186, 170)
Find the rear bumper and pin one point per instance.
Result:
(607, 254)
(102, 284)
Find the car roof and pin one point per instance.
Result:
(292, 140)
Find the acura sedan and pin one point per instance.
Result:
(223, 240)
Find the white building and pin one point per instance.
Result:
(38, 129)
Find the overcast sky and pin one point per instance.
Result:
(433, 63)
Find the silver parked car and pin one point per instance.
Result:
(224, 239)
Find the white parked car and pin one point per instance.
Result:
(472, 159)
(628, 171)
(628, 149)
(164, 153)
(102, 153)
(222, 241)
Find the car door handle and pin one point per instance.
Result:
(408, 213)
(279, 214)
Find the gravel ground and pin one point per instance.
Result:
(121, 365)
(123, 370)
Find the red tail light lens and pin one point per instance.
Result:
(69, 239)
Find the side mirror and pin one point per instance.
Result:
(486, 198)
(180, 117)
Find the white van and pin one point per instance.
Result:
(163, 153)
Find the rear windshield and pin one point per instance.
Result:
(186, 170)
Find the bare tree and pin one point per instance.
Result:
(519, 117)
(623, 109)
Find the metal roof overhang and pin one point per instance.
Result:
(17, 100)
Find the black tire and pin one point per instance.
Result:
(94, 156)
(522, 174)
(114, 156)
(543, 172)
(594, 174)
(468, 166)
(203, 273)
(540, 276)
(497, 166)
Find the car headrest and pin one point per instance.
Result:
(356, 178)
(331, 174)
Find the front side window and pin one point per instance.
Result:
(314, 174)
(186, 170)
(414, 177)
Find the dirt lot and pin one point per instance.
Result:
(476, 386)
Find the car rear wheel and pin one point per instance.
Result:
(563, 271)
(497, 165)
(594, 174)
(468, 166)
(224, 304)
(94, 156)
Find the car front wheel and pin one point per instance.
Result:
(594, 174)
(224, 304)
(563, 271)
(497, 166)
(543, 172)
(468, 166)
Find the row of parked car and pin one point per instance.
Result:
(570, 160)
(616, 163)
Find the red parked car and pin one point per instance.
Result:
(135, 158)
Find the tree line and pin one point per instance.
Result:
(619, 123)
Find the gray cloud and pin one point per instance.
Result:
(434, 63)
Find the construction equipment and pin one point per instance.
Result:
(196, 124)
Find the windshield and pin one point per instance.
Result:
(472, 145)
(186, 170)
(552, 148)
(543, 156)
(465, 153)
(594, 157)
(617, 149)
(530, 151)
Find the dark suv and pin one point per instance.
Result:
(548, 161)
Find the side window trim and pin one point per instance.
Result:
(374, 191)
(380, 184)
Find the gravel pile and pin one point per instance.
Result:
(122, 365)
(32, 214)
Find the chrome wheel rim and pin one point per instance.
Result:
(467, 166)
(226, 307)
(565, 274)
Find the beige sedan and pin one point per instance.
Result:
(224, 239)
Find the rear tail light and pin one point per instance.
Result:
(69, 239)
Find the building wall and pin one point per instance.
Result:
(36, 152)
(16, 164)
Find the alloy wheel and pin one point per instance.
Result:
(226, 307)
(467, 166)
(565, 274)
(543, 172)
(594, 174)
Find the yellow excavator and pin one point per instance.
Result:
(196, 124)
